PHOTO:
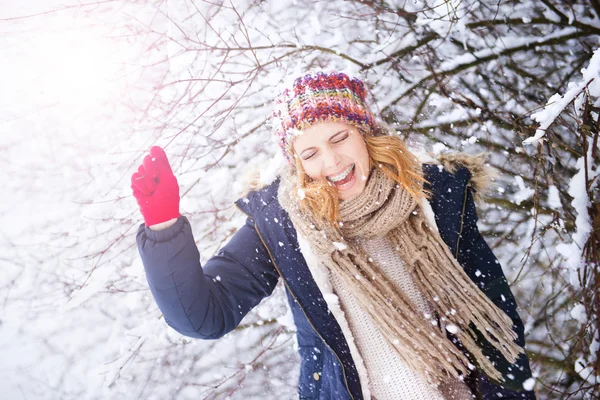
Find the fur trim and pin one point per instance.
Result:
(426, 207)
(250, 181)
(257, 176)
(482, 174)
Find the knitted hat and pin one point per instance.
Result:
(317, 98)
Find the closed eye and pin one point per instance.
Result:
(306, 157)
(337, 138)
(340, 137)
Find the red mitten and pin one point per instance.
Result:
(156, 189)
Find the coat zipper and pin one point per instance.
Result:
(293, 295)
(462, 218)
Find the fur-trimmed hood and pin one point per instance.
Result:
(482, 174)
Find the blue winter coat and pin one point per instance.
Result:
(196, 304)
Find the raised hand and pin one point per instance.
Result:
(155, 188)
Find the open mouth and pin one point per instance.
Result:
(343, 178)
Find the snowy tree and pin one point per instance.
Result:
(93, 85)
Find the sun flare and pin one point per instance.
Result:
(76, 70)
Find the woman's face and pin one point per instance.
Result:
(334, 152)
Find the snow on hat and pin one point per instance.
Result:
(317, 98)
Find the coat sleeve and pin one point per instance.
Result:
(205, 302)
(484, 269)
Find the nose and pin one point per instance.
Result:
(331, 159)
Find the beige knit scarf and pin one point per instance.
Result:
(385, 209)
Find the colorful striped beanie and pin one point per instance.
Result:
(317, 98)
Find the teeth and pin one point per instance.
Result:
(341, 176)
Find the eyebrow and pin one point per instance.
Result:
(331, 137)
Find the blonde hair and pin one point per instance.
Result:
(387, 152)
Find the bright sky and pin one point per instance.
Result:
(65, 78)
(64, 63)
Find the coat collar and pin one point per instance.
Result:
(442, 168)
(481, 177)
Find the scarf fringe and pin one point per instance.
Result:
(459, 307)
(385, 209)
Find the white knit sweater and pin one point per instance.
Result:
(389, 377)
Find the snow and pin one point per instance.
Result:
(301, 194)
(503, 44)
(287, 320)
(572, 252)
(557, 103)
(584, 369)
(271, 171)
(529, 384)
(453, 329)
(438, 148)
(340, 246)
(578, 312)
(553, 198)
(88, 89)
(524, 192)
(443, 19)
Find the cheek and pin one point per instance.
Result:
(312, 170)
(366, 160)
(362, 156)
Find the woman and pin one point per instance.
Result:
(394, 292)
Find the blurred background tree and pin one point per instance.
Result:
(515, 79)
